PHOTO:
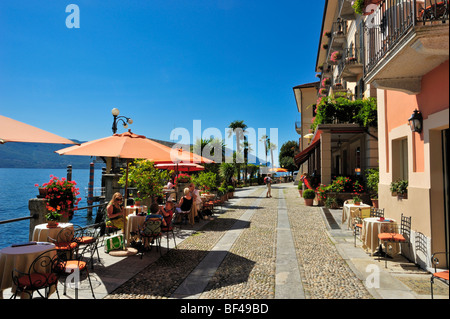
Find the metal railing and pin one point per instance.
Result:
(393, 19)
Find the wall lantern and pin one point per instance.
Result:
(416, 121)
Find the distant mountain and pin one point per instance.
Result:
(39, 155)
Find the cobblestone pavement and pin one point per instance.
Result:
(248, 270)
(325, 274)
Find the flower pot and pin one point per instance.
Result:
(309, 201)
(42, 192)
(357, 203)
(300, 192)
(138, 203)
(52, 223)
(374, 202)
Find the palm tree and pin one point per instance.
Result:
(266, 141)
(237, 127)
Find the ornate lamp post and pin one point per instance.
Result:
(125, 120)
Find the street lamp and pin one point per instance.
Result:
(416, 121)
(125, 120)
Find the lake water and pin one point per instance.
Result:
(17, 188)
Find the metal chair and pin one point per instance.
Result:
(64, 241)
(40, 275)
(75, 266)
(167, 230)
(88, 235)
(150, 232)
(357, 224)
(401, 236)
(376, 212)
(440, 275)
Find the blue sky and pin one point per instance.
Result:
(163, 63)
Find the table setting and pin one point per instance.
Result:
(372, 226)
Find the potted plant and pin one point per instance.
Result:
(300, 188)
(356, 199)
(335, 56)
(402, 189)
(372, 180)
(53, 217)
(308, 196)
(393, 188)
(326, 81)
(61, 198)
(360, 5)
(357, 191)
(327, 34)
(42, 190)
(332, 202)
(325, 46)
(323, 91)
(321, 192)
(148, 180)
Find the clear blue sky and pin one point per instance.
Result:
(163, 63)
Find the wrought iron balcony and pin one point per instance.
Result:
(351, 66)
(405, 33)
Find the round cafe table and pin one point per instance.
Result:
(133, 223)
(372, 226)
(41, 232)
(133, 209)
(20, 258)
(348, 212)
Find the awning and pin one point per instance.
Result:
(304, 155)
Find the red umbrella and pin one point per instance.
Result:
(181, 167)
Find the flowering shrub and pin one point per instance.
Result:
(335, 56)
(321, 192)
(323, 91)
(182, 178)
(61, 197)
(326, 82)
(358, 189)
(148, 180)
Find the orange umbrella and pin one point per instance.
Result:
(15, 131)
(278, 170)
(129, 145)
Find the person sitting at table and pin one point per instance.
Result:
(154, 210)
(185, 204)
(167, 213)
(115, 211)
(169, 184)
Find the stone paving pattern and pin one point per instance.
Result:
(248, 271)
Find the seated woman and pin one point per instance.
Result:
(185, 204)
(167, 213)
(115, 211)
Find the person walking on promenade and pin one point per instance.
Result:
(268, 181)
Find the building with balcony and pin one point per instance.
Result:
(338, 146)
(396, 52)
(406, 52)
(305, 97)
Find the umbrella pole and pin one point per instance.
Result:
(125, 209)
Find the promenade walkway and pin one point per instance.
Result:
(260, 248)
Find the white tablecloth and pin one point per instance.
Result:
(371, 228)
(133, 223)
(132, 209)
(41, 232)
(348, 212)
(19, 258)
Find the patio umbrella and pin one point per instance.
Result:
(181, 167)
(15, 131)
(130, 146)
(278, 170)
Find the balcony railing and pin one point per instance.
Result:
(351, 64)
(393, 19)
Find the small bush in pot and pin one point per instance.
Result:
(308, 196)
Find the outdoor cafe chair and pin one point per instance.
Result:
(440, 275)
(88, 235)
(168, 229)
(150, 232)
(376, 212)
(64, 241)
(66, 265)
(401, 236)
(40, 275)
(357, 223)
